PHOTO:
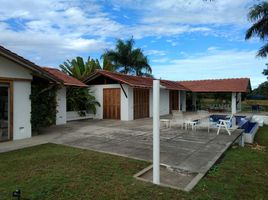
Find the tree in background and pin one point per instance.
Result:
(80, 99)
(128, 60)
(265, 71)
(80, 69)
(258, 14)
(107, 64)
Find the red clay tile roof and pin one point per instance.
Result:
(39, 71)
(218, 85)
(135, 81)
(173, 85)
(67, 80)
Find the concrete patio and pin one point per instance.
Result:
(189, 151)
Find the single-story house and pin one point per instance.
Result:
(128, 97)
(121, 96)
(16, 76)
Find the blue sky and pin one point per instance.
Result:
(184, 39)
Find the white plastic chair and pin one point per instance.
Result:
(226, 124)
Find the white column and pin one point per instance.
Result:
(239, 108)
(194, 97)
(179, 100)
(156, 133)
(61, 106)
(183, 101)
(233, 103)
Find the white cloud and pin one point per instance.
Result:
(215, 64)
(51, 31)
(191, 11)
(155, 52)
(175, 17)
(161, 60)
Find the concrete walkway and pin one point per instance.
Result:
(24, 143)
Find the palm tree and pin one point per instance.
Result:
(107, 64)
(141, 64)
(128, 60)
(80, 69)
(258, 14)
(265, 71)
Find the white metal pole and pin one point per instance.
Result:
(156, 133)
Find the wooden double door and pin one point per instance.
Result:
(141, 103)
(173, 100)
(111, 103)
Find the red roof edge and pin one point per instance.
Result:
(66, 79)
(135, 81)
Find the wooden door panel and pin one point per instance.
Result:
(173, 100)
(111, 103)
(141, 103)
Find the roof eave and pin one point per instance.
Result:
(28, 65)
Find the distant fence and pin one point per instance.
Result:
(75, 115)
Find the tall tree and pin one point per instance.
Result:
(80, 99)
(128, 60)
(258, 14)
(107, 64)
(265, 71)
(80, 69)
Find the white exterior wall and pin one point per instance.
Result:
(21, 97)
(130, 103)
(11, 69)
(61, 106)
(22, 110)
(164, 102)
(126, 102)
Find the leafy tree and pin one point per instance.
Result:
(258, 14)
(128, 60)
(265, 71)
(107, 64)
(262, 89)
(80, 69)
(80, 99)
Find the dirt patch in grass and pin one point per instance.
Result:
(256, 147)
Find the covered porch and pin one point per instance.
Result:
(227, 92)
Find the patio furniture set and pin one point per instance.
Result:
(198, 120)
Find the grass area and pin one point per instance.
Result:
(246, 105)
(58, 172)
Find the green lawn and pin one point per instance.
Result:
(58, 172)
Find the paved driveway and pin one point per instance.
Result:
(191, 151)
